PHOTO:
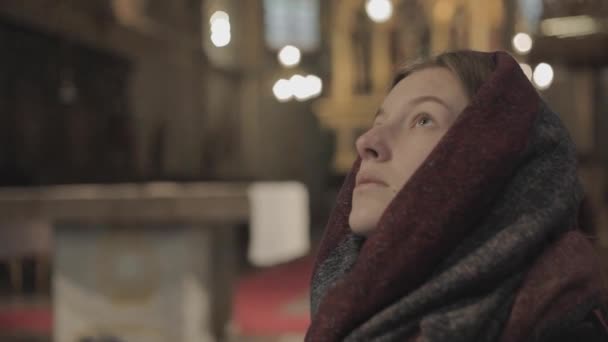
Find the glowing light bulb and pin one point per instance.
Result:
(299, 86)
(219, 15)
(220, 39)
(220, 28)
(543, 75)
(282, 90)
(379, 10)
(522, 43)
(315, 85)
(290, 56)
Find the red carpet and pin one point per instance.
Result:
(33, 321)
(268, 302)
(274, 301)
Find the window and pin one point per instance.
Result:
(294, 22)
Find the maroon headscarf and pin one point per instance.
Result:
(481, 244)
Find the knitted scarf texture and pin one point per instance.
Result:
(481, 244)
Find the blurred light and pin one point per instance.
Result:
(379, 10)
(569, 26)
(527, 69)
(301, 87)
(315, 85)
(543, 75)
(522, 43)
(220, 28)
(219, 15)
(220, 25)
(282, 90)
(290, 56)
(220, 39)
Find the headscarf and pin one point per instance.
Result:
(481, 244)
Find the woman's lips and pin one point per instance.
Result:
(369, 180)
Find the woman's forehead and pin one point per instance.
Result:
(434, 81)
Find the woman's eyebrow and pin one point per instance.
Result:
(431, 98)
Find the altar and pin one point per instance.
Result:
(139, 262)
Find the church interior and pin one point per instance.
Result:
(167, 167)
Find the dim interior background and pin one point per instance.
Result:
(247, 109)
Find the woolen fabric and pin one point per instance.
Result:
(481, 244)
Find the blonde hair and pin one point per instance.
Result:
(472, 68)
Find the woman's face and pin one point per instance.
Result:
(414, 116)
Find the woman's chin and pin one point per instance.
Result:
(365, 213)
(361, 225)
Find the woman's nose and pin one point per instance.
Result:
(372, 146)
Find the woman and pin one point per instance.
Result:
(459, 220)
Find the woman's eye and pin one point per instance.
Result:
(424, 120)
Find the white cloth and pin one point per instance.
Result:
(279, 224)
